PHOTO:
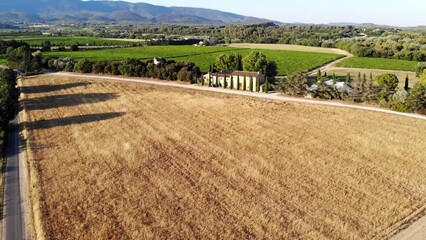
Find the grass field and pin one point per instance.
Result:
(133, 161)
(378, 63)
(288, 47)
(288, 61)
(68, 41)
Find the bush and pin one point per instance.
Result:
(83, 66)
(417, 99)
(399, 101)
(59, 64)
(112, 68)
(74, 47)
(388, 81)
(420, 68)
(295, 84)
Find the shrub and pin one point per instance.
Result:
(388, 81)
(295, 84)
(420, 68)
(99, 67)
(83, 66)
(417, 99)
(74, 47)
(399, 101)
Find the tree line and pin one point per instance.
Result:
(8, 103)
(163, 70)
(382, 89)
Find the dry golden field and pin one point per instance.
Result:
(288, 47)
(133, 161)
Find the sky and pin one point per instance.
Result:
(389, 12)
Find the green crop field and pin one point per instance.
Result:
(378, 63)
(288, 61)
(68, 41)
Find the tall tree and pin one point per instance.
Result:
(230, 62)
(406, 87)
(255, 62)
(348, 78)
(319, 76)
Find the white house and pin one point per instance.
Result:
(239, 80)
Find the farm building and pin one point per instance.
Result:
(238, 80)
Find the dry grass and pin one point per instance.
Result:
(133, 161)
(287, 47)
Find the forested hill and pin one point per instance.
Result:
(77, 10)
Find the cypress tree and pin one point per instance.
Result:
(231, 85)
(224, 81)
(359, 76)
(202, 81)
(266, 86)
(240, 62)
(319, 76)
(334, 77)
(371, 76)
(364, 78)
(348, 78)
(210, 80)
(251, 84)
(245, 84)
(238, 82)
(257, 85)
(406, 87)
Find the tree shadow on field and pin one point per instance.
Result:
(51, 88)
(74, 120)
(67, 100)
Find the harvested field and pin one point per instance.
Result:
(288, 47)
(378, 63)
(133, 161)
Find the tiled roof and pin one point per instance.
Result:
(236, 73)
(245, 73)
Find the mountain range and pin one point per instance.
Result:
(114, 11)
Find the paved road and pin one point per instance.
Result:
(241, 93)
(13, 227)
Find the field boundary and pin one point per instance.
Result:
(275, 96)
(416, 220)
(34, 194)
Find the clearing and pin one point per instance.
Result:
(135, 161)
(289, 47)
(288, 61)
(378, 63)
